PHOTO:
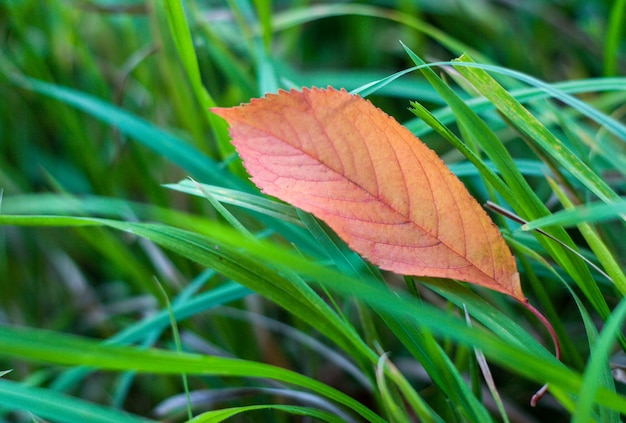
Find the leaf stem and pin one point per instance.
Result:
(555, 340)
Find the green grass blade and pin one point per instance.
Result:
(604, 255)
(258, 203)
(392, 403)
(165, 144)
(598, 365)
(529, 125)
(590, 213)
(186, 52)
(614, 37)
(523, 95)
(609, 123)
(179, 30)
(53, 347)
(421, 409)
(147, 328)
(226, 413)
(59, 407)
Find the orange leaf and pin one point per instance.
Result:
(382, 190)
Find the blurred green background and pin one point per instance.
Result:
(58, 57)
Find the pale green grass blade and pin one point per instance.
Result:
(226, 413)
(489, 316)
(258, 203)
(527, 167)
(604, 255)
(374, 86)
(487, 375)
(177, 343)
(404, 88)
(223, 211)
(186, 52)
(590, 213)
(445, 115)
(59, 407)
(389, 397)
(471, 67)
(421, 409)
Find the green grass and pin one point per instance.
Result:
(270, 317)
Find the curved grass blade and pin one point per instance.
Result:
(246, 200)
(59, 407)
(52, 347)
(223, 414)
(591, 213)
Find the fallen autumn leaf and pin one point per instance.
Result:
(383, 191)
